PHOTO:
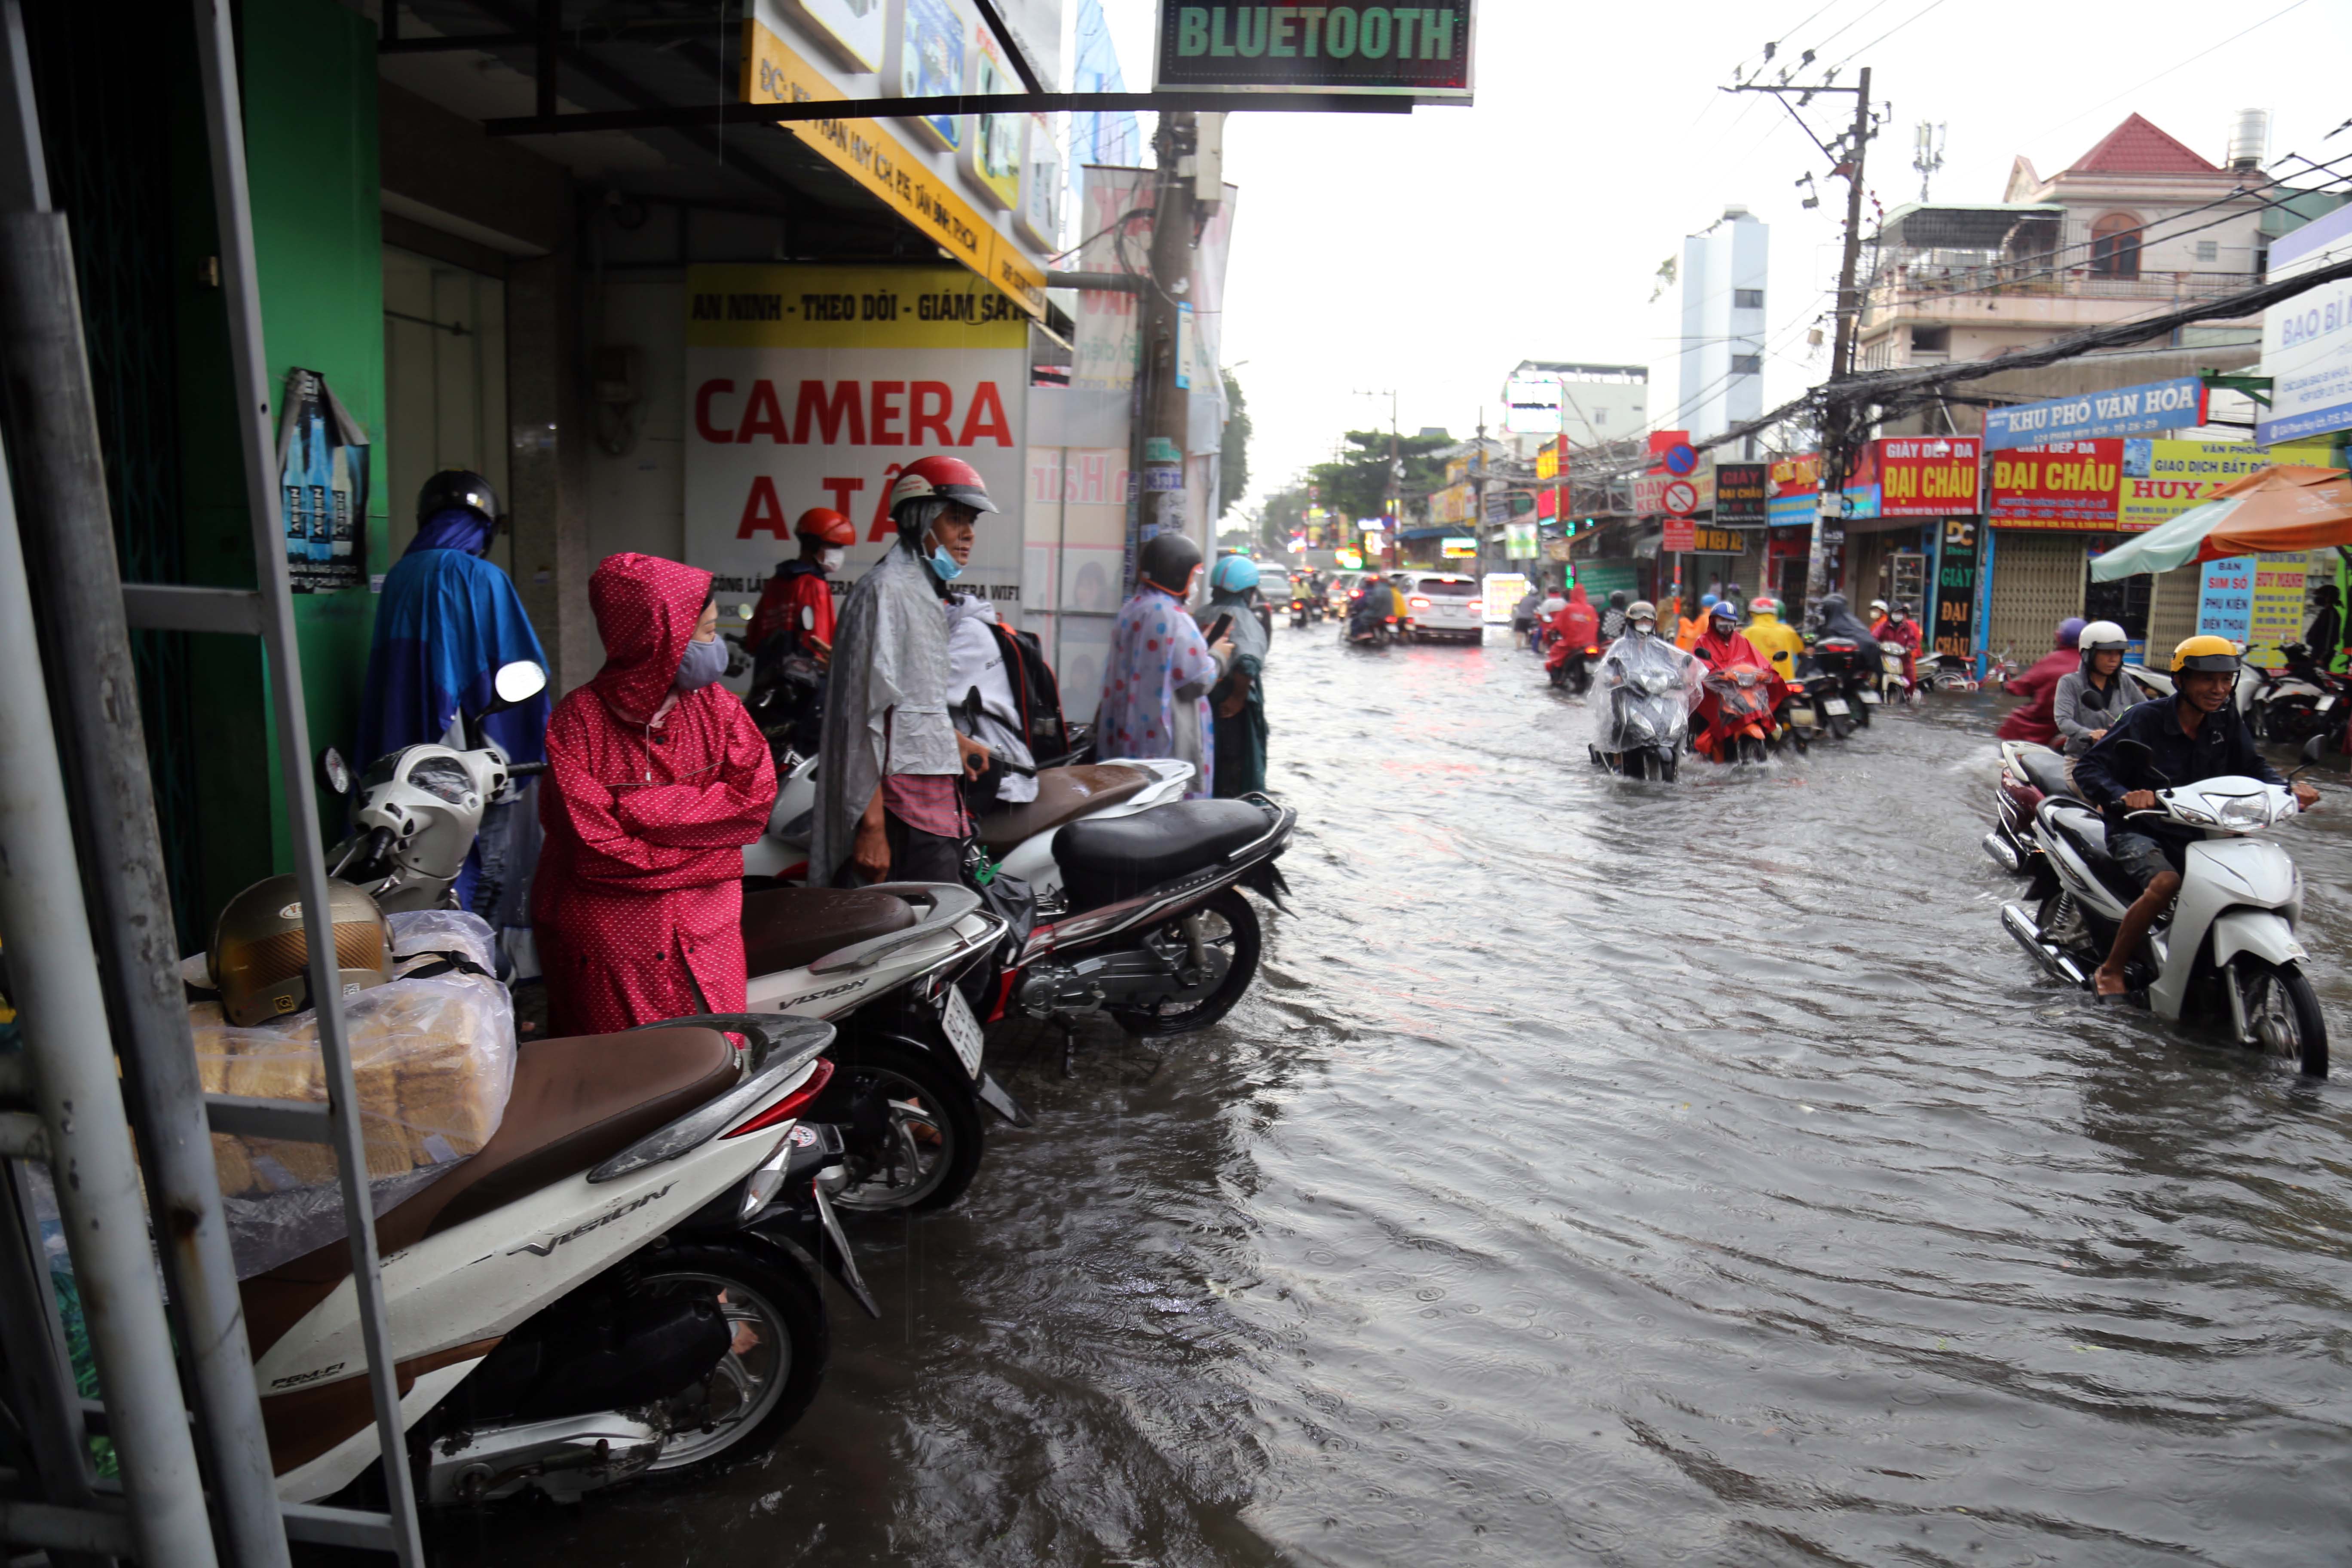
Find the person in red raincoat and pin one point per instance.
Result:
(1898, 630)
(1577, 624)
(657, 777)
(1723, 646)
(2039, 686)
(803, 584)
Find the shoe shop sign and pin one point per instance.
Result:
(1421, 52)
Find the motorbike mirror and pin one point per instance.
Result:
(333, 771)
(519, 682)
(744, 610)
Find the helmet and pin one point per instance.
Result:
(826, 526)
(454, 490)
(1723, 610)
(1234, 574)
(2102, 635)
(2208, 653)
(1764, 604)
(940, 479)
(1901, 612)
(1641, 610)
(1617, 598)
(1168, 560)
(1707, 601)
(2070, 631)
(260, 955)
(2326, 594)
(1834, 605)
(1878, 604)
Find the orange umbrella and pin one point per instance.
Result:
(2269, 511)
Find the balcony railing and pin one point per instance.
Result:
(1911, 283)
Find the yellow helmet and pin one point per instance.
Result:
(2205, 652)
(261, 954)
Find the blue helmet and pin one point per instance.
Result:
(1707, 601)
(1234, 574)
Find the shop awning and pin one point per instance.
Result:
(2271, 511)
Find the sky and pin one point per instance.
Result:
(1431, 253)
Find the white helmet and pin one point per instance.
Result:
(2101, 635)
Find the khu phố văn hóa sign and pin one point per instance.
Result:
(1417, 51)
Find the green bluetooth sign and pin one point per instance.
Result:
(1421, 52)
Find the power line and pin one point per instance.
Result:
(1890, 32)
(2202, 54)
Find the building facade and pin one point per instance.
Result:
(1721, 362)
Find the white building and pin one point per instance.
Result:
(1722, 358)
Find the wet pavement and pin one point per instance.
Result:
(1600, 1173)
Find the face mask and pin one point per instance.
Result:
(830, 560)
(1645, 627)
(704, 663)
(944, 566)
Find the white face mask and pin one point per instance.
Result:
(830, 560)
(1645, 627)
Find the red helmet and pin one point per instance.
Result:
(826, 526)
(946, 478)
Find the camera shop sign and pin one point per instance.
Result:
(1421, 52)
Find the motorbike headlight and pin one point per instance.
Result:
(443, 777)
(2246, 811)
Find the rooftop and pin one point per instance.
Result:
(2138, 147)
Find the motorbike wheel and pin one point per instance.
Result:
(772, 1368)
(921, 1150)
(1861, 714)
(2283, 1011)
(1838, 725)
(1580, 682)
(1558, 675)
(1751, 749)
(1240, 939)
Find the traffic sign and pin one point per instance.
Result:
(1681, 458)
(1680, 497)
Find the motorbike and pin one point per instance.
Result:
(1894, 684)
(616, 1285)
(2298, 702)
(1743, 728)
(2030, 774)
(879, 963)
(1842, 692)
(1650, 687)
(2226, 948)
(1569, 666)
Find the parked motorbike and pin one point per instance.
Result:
(615, 1286)
(1649, 687)
(2290, 706)
(1840, 659)
(2226, 950)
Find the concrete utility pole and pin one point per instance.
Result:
(1165, 411)
(1839, 420)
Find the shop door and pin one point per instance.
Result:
(445, 373)
(1906, 580)
(2037, 581)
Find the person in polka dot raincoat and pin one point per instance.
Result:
(657, 777)
(1155, 697)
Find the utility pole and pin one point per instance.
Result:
(1164, 411)
(1839, 419)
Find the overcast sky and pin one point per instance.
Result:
(1431, 253)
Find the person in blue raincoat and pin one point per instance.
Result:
(446, 621)
(1155, 696)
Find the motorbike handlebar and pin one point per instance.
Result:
(525, 770)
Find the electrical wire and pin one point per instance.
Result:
(2207, 52)
(1886, 35)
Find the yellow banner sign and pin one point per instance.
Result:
(758, 305)
(870, 155)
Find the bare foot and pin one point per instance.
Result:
(2106, 983)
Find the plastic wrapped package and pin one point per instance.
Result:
(433, 1053)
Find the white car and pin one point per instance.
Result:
(1446, 604)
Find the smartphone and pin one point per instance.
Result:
(1225, 623)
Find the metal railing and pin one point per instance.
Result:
(86, 912)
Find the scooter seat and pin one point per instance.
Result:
(785, 928)
(2045, 770)
(575, 1104)
(1064, 795)
(2085, 832)
(1104, 861)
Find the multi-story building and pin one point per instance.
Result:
(1596, 403)
(1722, 357)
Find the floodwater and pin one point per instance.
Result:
(1600, 1173)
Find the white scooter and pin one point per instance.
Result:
(879, 962)
(618, 1283)
(2226, 948)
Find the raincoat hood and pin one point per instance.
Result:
(646, 609)
(1764, 619)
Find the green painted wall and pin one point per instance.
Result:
(310, 79)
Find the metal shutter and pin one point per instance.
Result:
(2037, 581)
(2172, 611)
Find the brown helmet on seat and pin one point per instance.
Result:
(260, 955)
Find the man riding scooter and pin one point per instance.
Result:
(1723, 647)
(2194, 735)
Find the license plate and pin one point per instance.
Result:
(1867, 695)
(963, 1030)
(1836, 705)
(2323, 705)
(1803, 718)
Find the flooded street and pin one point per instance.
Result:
(1598, 1173)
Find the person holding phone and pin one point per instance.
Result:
(1156, 681)
(1237, 702)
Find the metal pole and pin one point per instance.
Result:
(1839, 419)
(53, 425)
(224, 130)
(53, 969)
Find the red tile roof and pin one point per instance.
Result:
(2137, 147)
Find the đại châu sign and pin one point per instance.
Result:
(1421, 52)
